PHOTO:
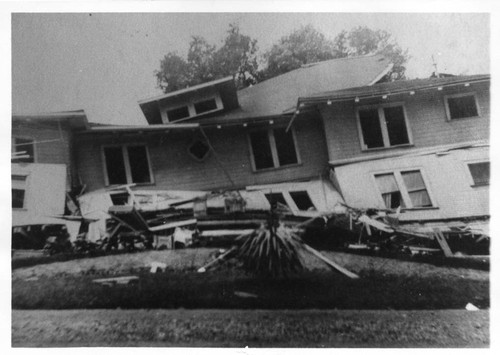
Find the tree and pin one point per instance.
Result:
(364, 41)
(307, 45)
(237, 57)
(303, 46)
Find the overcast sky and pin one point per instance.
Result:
(105, 63)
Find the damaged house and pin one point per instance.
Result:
(311, 140)
(420, 146)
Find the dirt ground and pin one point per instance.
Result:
(253, 328)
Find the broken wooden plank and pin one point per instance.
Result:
(220, 257)
(172, 225)
(442, 242)
(374, 223)
(225, 233)
(332, 264)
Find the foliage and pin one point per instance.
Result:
(236, 57)
(303, 46)
(271, 252)
(307, 45)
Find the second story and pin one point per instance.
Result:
(390, 119)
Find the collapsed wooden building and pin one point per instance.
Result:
(329, 139)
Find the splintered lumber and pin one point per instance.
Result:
(330, 263)
(442, 242)
(172, 225)
(225, 232)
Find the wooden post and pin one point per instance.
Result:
(330, 263)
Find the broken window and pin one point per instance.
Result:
(127, 165)
(383, 127)
(461, 106)
(25, 149)
(199, 149)
(18, 191)
(273, 148)
(480, 173)
(205, 106)
(302, 200)
(390, 191)
(405, 189)
(178, 113)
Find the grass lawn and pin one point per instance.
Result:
(384, 284)
(253, 328)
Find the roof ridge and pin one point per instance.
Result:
(308, 65)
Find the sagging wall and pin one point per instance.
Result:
(426, 115)
(446, 176)
(52, 145)
(175, 169)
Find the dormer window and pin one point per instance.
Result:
(193, 108)
(178, 113)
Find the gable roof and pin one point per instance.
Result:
(279, 95)
(391, 88)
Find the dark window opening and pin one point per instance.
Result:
(205, 106)
(25, 147)
(199, 150)
(276, 199)
(302, 200)
(18, 198)
(396, 125)
(119, 199)
(178, 113)
(261, 148)
(285, 147)
(370, 128)
(139, 164)
(115, 165)
(462, 107)
(390, 191)
(480, 173)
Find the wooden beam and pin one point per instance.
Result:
(330, 263)
(442, 242)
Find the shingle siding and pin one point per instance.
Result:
(427, 119)
(174, 168)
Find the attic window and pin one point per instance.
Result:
(461, 106)
(199, 150)
(205, 106)
(178, 113)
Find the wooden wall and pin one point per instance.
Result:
(175, 169)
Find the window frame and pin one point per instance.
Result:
(25, 187)
(383, 126)
(403, 189)
(274, 151)
(126, 161)
(463, 94)
(471, 177)
(191, 109)
(32, 139)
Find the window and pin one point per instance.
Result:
(127, 165)
(461, 106)
(480, 173)
(205, 106)
(199, 150)
(18, 191)
(178, 113)
(383, 127)
(25, 148)
(302, 200)
(276, 198)
(273, 148)
(405, 189)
